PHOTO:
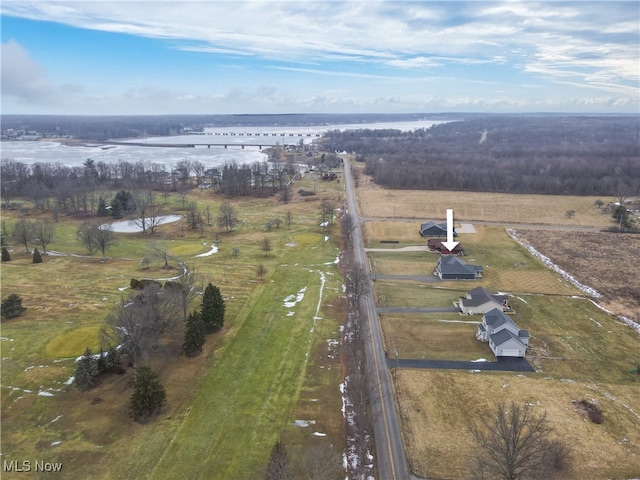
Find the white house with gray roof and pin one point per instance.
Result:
(481, 300)
(505, 338)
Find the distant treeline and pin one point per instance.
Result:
(529, 154)
(99, 128)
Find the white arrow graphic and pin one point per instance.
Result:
(450, 244)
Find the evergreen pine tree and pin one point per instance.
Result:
(279, 467)
(114, 357)
(102, 208)
(117, 210)
(86, 371)
(213, 309)
(194, 335)
(101, 362)
(37, 258)
(148, 395)
(5, 255)
(12, 306)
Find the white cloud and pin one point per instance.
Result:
(23, 79)
(591, 45)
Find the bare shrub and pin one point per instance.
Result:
(590, 410)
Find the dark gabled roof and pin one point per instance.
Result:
(436, 228)
(503, 336)
(455, 266)
(431, 223)
(480, 296)
(436, 243)
(496, 317)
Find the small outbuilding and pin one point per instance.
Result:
(435, 245)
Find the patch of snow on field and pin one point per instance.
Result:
(547, 261)
(213, 250)
(480, 360)
(318, 434)
(292, 300)
(522, 300)
(42, 393)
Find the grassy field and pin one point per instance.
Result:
(477, 206)
(268, 367)
(437, 407)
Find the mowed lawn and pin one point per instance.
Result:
(242, 391)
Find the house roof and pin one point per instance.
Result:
(436, 228)
(504, 336)
(437, 243)
(455, 266)
(480, 296)
(431, 223)
(496, 317)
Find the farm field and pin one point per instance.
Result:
(604, 261)
(578, 350)
(375, 201)
(270, 365)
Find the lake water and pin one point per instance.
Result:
(54, 152)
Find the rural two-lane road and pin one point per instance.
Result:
(390, 457)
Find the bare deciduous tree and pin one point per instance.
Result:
(24, 232)
(266, 246)
(227, 217)
(43, 233)
(326, 211)
(137, 322)
(161, 252)
(514, 443)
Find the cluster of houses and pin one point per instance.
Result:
(504, 337)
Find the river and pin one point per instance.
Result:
(30, 152)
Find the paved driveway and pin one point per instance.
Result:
(417, 310)
(505, 364)
(415, 278)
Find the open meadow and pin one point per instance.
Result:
(375, 201)
(578, 350)
(275, 361)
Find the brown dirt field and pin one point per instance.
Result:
(608, 262)
(439, 444)
(477, 206)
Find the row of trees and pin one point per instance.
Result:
(85, 189)
(547, 155)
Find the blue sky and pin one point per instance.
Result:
(160, 57)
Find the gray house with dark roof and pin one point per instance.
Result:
(505, 338)
(481, 300)
(452, 268)
(433, 229)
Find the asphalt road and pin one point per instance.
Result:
(390, 458)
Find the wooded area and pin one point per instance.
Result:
(520, 154)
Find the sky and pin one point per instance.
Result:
(242, 57)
